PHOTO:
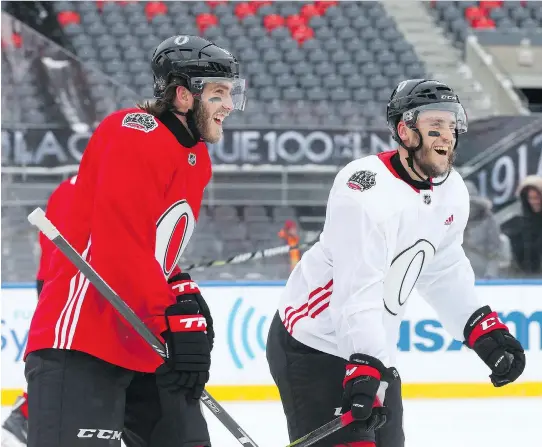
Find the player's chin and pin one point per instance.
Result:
(441, 169)
(214, 133)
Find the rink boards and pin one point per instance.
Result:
(431, 363)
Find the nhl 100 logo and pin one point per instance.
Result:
(246, 333)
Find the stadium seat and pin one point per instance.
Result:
(302, 33)
(68, 17)
(153, 9)
(244, 9)
(288, 49)
(213, 4)
(205, 20)
(309, 10)
(273, 21)
(483, 23)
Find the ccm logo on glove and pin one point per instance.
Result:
(188, 323)
(494, 344)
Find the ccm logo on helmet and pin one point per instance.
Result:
(447, 97)
(99, 433)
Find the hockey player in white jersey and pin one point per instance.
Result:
(393, 221)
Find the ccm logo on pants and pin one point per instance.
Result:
(98, 433)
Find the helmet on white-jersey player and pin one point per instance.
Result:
(426, 117)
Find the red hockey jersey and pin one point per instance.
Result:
(57, 209)
(137, 198)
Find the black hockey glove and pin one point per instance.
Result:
(363, 380)
(189, 354)
(494, 344)
(186, 289)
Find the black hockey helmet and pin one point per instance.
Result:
(192, 61)
(416, 96)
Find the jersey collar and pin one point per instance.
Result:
(392, 161)
(177, 128)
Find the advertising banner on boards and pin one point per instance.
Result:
(430, 362)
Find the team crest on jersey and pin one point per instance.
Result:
(427, 199)
(362, 180)
(140, 121)
(192, 159)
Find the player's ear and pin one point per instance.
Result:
(402, 130)
(184, 98)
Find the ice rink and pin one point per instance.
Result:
(509, 422)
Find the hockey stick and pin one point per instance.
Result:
(38, 219)
(258, 254)
(323, 431)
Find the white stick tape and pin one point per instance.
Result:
(38, 219)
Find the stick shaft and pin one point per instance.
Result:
(323, 431)
(244, 257)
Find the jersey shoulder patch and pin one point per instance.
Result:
(362, 180)
(142, 121)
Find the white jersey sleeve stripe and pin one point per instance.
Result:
(314, 299)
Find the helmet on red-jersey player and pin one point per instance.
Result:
(191, 61)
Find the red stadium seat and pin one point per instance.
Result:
(153, 9)
(204, 21)
(215, 3)
(67, 18)
(483, 23)
(310, 10)
(473, 13)
(323, 5)
(243, 10)
(273, 21)
(488, 5)
(295, 21)
(302, 33)
(256, 4)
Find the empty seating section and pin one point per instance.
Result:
(225, 231)
(460, 18)
(222, 232)
(309, 52)
(312, 63)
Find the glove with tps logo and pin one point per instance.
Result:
(494, 344)
(187, 342)
(365, 385)
(184, 288)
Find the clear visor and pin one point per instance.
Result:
(439, 116)
(228, 91)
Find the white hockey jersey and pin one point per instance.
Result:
(381, 237)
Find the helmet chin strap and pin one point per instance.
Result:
(190, 121)
(412, 150)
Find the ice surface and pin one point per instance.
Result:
(506, 422)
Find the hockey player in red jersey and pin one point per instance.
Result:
(57, 209)
(139, 189)
(15, 427)
(394, 221)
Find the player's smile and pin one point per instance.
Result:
(219, 118)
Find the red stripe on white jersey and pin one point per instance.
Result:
(317, 302)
